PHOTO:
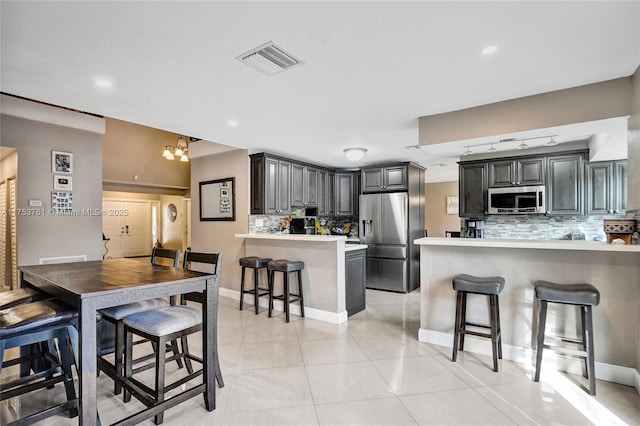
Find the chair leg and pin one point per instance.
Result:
(128, 362)
(584, 340)
(493, 301)
(286, 295)
(218, 371)
(591, 372)
(185, 350)
(242, 288)
(456, 326)
(160, 369)
(300, 293)
(255, 288)
(66, 360)
(463, 319)
(119, 355)
(542, 319)
(173, 345)
(499, 327)
(270, 283)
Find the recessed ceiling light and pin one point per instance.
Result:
(489, 50)
(232, 123)
(102, 82)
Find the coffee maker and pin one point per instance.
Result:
(474, 228)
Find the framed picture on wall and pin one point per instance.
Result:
(452, 205)
(61, 162)
(63, 183)
(218, 199)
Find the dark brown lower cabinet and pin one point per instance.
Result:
(355, 281)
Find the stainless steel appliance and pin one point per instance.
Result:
(384, 227)
(517, 200)
(474, 228)
(305, 225)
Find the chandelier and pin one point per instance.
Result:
(181, 150)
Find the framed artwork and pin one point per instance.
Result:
(452, 205)
(61, 162)
(218, 200)
(64, 183)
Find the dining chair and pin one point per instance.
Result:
(162, 326)
(33, 327)
(198, 258)
(117, 314)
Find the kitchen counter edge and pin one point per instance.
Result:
(294, 237)
(528, 244)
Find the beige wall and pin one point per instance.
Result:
(218, 236)
(437, 221)
(131, 149)
(47, 235)
(591, 102)
(634, 148)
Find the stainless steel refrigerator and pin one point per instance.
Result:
(385, 227)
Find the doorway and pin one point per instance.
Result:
(127, 225)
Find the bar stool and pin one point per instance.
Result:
(488, 286)
(255, 263)
(286, 267)
(33, 326)
(583, 295)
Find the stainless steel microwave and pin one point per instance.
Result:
(517, 200)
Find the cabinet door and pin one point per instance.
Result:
(311, 187)
(355, 281)
(599, 187)
(372, 180)
(564, 188)
(472, 188)
(529, 171)
(257, 185)
(330, 195)
(272, 171)
(322, 192)
(344, 194)
(283, 204)
(297, 185)
(501, 174)
(620, 187)
(394, 178)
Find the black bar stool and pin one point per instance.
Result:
(286, 266)
(583, 295)
(488, 286)
(255, 263)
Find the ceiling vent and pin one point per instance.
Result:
(269, 59)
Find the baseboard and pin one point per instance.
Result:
(278, 305)
(608, 372)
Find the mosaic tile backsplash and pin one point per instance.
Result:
(272, 224)
(540, 227)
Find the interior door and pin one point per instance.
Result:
(186, 225)
(128, 226)
(113, 227)
(13, 234)
(3, 235)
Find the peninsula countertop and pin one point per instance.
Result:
(528, 244)
(295, 237)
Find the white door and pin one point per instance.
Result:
(127, 224)
(13, 234)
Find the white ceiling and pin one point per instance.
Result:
(370, 68)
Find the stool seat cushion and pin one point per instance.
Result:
(122, 311)
(254, 262)
(479, 285)
(165, 321)
(571, 294)
(30, 316)
(19, 296)
(283, 265)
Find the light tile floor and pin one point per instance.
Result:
(370, 371)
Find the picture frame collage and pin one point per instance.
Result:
(62, 169)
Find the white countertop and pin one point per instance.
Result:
(528, 244)
(351, 247)
(294, 237)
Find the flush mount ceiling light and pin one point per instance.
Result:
(489, 50)
(181, 150)
(523, 145)
(355, 154)
(468, 151)
(269, 59)
(492, 149)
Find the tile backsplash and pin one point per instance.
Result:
(271, 224)
(540, 227)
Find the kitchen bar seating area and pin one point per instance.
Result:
(372, 371)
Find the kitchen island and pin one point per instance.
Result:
(323, 276)
(613, 269)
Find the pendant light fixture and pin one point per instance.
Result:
(180, 150)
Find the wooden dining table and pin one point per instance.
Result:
(94, 285)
